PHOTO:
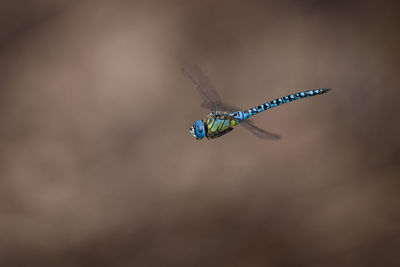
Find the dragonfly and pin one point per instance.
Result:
(224, 117)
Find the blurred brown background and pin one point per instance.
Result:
(98, 167)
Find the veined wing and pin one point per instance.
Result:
(204, 86)
(248, 124)
(223, 107)
(258, 131)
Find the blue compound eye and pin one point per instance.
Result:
(199, 129)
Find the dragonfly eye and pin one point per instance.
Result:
(199, 129)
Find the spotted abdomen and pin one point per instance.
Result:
(242, 115)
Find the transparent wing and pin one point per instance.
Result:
(223, 107)
(204, 87)
(258, 131)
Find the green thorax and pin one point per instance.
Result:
(219, 123)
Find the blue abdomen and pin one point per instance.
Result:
(242, 115)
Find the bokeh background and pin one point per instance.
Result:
(98, 167)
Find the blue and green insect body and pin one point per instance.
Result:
(218, 123)
(223, 118)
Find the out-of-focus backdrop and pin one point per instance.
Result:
(98, 167)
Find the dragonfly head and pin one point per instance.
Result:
(197, 130)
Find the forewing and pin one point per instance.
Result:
(223, 107)
(258, 131)
(204, 86)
